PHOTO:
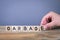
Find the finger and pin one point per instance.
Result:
(49, 25)
(46, 19)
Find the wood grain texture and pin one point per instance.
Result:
(43, 35)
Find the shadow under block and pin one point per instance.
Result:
(43, 35)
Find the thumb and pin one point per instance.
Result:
(49, 25)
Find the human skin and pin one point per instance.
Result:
(50, 20)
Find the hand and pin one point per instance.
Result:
(50, 20)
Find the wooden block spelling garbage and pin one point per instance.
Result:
(18, 29)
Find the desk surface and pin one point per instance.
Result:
(43, 35)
